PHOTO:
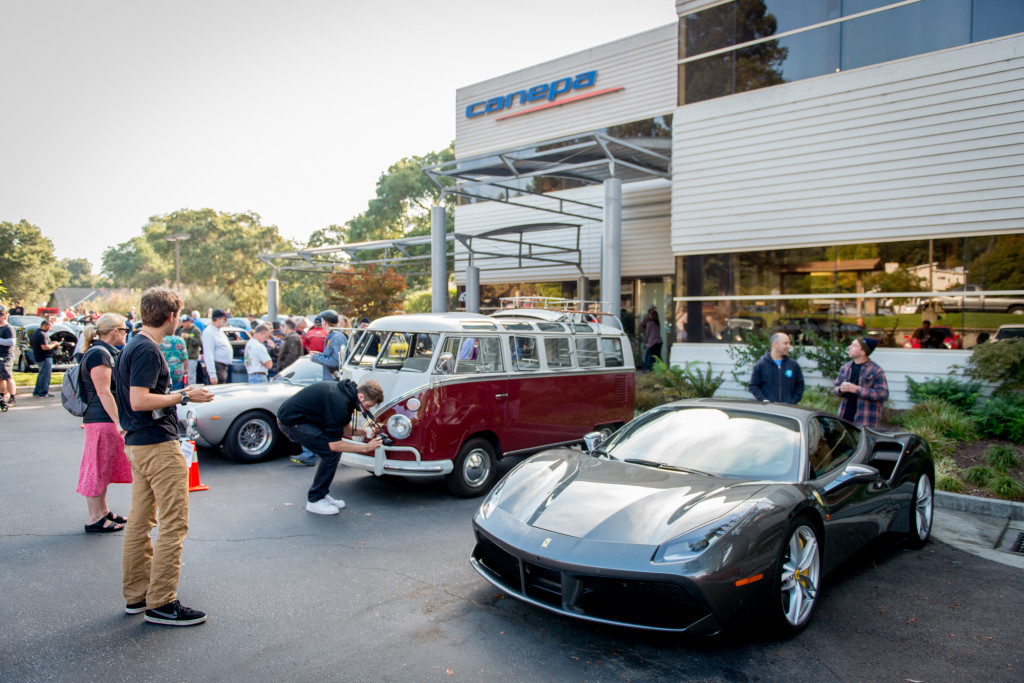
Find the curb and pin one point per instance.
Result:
(994, 507)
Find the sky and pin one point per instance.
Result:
(112, 111)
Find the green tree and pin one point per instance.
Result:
(80, 270)
(28, 266)
(999, 265)
(222, 252)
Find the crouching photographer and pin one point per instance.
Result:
(319, 417)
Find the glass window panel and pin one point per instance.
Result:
(396, 350)
(995, 18)
(367, 348)
(557, 352)
(587, 355)
(524, 353)
(903, 32)
(612, 349)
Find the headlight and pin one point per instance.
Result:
(399, 426)
(695, 542)
(190, 424)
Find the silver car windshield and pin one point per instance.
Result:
(727, 443)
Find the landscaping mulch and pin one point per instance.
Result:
(971, 454)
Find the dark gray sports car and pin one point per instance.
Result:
(701, 514)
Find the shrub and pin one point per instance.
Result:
(828, 353)
(939, 419)
(1000, 457)
(648, 393)
(1001, 417)
(688, 382)
(961, 393)
(950, 484)
(1001, 364)
(1007, 487)
(979, 475)
(820, 398)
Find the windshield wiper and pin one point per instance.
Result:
(666, 466)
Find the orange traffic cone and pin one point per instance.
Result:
(188, 449)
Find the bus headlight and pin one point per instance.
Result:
(399, 426)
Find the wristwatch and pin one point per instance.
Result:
(184, 398)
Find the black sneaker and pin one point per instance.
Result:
(175, 614)
(135, 608)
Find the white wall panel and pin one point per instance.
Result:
(645, 235)
(643, 64)
(926, 146)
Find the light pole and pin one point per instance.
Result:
(177, 238)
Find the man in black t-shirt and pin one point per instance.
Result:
(318, 417)
(160, 488)
(42, 356)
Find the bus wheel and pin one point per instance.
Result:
(475, 469)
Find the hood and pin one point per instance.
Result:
(575, 494)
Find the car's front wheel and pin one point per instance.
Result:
(797, 576)
(475, 469)
(921, 512)
(23, 365)
(252, 437)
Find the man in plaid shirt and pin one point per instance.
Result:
(861, 385)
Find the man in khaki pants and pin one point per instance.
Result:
(160, 488)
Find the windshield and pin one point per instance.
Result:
(727, 443)
(302, 371)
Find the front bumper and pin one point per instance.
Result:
(380, 464)
(608, 583)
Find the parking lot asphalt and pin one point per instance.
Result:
(384, 592)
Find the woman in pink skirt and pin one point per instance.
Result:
(103, 461)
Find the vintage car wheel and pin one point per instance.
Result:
(921, 512)
(475, 469)
(252, 437)
(797, 576)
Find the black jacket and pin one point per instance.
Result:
(780, 384)
(327, 405)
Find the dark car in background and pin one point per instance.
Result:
(939, 338)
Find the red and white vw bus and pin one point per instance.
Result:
(462, 390)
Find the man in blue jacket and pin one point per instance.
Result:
(776, 376)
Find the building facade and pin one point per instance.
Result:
(780, 160)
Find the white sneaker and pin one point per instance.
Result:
(322, 507)
(335, 502)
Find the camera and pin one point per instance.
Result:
(386, 440)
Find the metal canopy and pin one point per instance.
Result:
(588, 159)
(507, 244)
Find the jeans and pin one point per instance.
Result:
(258, 378)
(652, 353)
(314, 438)
(43, 380)
(193, 370)
(160, 483)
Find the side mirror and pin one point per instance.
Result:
(592, 440)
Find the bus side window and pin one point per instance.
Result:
(488, 357)
(586, 352)
(557, 351)
(524, 353)
(613, 357)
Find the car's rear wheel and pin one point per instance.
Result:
(797, 576)
(921, 512)
(252, 437)
(475, 469)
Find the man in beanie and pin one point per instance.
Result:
(861, 385)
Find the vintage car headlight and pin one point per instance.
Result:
(399, 426)
(696, 541)
(190, 424)
(413, 404)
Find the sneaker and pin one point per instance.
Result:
(322, 507)
(300, 461)
(12, 401)
(175, 614)
(335, 502)
(135, 608)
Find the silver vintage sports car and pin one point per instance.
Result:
(699, 515)
(243, 417)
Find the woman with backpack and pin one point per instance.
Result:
(103, 461)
